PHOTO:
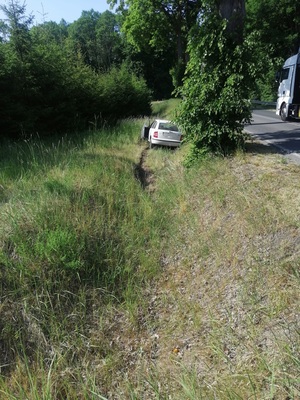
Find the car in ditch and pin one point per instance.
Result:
(163, 133)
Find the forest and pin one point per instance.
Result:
(66, 77)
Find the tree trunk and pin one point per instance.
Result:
(234, 12)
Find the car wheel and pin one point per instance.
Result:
(284, 112)
(151, 145)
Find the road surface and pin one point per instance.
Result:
(285, 136)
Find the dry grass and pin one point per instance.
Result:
(223, 319)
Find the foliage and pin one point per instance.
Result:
(95, 36)
(110, 42)
(18, 28)
(219, 78)
(155, 68)
(50, 32)
(160, 28)
(83, 37)
(274, 45)
(60, 77)
(120, 89)
(268, 17)
(177, 73)
(48, 87)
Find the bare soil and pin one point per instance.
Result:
(143, 174)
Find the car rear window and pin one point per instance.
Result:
(168, 126)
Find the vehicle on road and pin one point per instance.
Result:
(163, 133)
(288, 100)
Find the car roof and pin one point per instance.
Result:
(162, 120)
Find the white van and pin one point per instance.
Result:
(288, 100)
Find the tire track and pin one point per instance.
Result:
(143, 174)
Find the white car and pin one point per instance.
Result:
(164, 133)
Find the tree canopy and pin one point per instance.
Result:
(59, 77)
(217, 54)
(160, 27)
(277, 25)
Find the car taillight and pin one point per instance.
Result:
(155, 134)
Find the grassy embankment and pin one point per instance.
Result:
(188, 289)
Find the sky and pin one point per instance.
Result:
(55, 10)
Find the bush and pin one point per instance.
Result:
(123, 94)
(54, 93)
(216, 88)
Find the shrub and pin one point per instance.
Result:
(123, 94)
(216, 88)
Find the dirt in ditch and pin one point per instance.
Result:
(143, 174)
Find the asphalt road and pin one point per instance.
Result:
(285, 136)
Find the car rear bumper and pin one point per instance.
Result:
(164, 142)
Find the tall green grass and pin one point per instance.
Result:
(188, 290)
(79, 237)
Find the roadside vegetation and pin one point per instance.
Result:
(130, 273)
(184, 288)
